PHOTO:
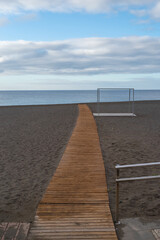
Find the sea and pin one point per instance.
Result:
(17, 98)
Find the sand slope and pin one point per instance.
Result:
(127, 140)
(32, 141)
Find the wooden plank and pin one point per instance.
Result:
(14, 231)
(22, 231)
(11, 231)
(75, 204)
(156, 233)
(3, 227)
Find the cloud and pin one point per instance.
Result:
(155, 11)
(139, 8)
(3, 21)
(92, 6)
(81, 56)
(27, 17)
(140, 12)
(152, 12)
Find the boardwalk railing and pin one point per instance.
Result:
(118, 180)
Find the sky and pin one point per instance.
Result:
(79, 44)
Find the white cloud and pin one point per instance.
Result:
(94, 6)
(155, 12)
(27, 17)
(139, 13)
(81, 56)
(139, 8)
(3, 21)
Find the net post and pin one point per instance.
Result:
(129, 100)
(98, 99)
(133, 102)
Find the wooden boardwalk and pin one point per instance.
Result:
(14, 231)
(75, 205)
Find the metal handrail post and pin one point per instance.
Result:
(118, 180)
(117, 197)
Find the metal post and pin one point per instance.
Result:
(133, 102)
(117, 197)
(98, 100)
(129, 100)
(118, 180)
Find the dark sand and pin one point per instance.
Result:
(32, 141)
(129, 140)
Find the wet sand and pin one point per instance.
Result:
(129, 140)
(32, 141)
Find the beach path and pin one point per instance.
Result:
(75, 204)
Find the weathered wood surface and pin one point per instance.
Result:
(14, 231)
(75, 205)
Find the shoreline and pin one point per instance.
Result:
(64, 104)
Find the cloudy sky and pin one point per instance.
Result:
(79, 44)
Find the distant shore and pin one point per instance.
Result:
(32, 141)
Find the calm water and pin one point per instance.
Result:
(9, 98)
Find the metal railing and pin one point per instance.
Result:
(118, 180)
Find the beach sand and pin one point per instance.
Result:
(130, 140)
(32, 141)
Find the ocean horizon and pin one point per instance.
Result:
(46, 97)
